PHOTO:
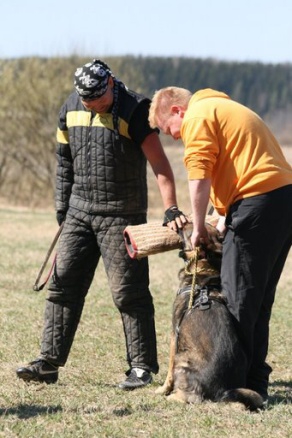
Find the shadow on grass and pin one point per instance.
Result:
(28, 411)
(282, 392)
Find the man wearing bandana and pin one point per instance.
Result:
(104, 142)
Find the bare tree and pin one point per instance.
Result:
(31, 93)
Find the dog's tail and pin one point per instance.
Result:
(251, 399)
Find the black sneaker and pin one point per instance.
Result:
(136, 378)
(38, 370)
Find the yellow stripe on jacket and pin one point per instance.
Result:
(83, 118)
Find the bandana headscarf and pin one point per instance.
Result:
(91, 80)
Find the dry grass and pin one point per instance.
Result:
(85, 402)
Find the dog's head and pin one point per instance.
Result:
(207, 262)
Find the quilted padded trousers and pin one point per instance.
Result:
(255, 248)
(83, 240)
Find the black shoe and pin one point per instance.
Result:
(38, 370)
(136, 378)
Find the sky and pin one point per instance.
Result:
(231, 30)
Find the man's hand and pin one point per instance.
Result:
(174, 218)
(199, 236)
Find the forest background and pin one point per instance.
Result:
(32, 91)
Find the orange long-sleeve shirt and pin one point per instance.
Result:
(230, 144)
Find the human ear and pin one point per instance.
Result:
(175, 109)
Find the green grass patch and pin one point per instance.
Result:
(86, 402)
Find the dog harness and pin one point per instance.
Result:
(201, 299)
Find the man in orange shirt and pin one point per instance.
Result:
(233, 159)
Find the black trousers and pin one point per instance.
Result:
(84, 239)
(255, 248)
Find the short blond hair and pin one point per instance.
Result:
(163, 100)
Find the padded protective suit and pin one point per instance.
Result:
(101, 184)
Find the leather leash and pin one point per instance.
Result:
(36, 286)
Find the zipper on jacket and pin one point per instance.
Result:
(89, 161)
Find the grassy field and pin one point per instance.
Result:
(85, 402)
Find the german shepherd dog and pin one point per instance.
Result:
(207, 361)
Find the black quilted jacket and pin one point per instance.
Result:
(96, 173)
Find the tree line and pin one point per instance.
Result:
(33, 89)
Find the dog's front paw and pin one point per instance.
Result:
(164, 390)
(174, 398)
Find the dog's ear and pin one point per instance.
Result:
(215, 239)
(186, 234)
(213, 250)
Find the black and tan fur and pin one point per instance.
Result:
(207, 361)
